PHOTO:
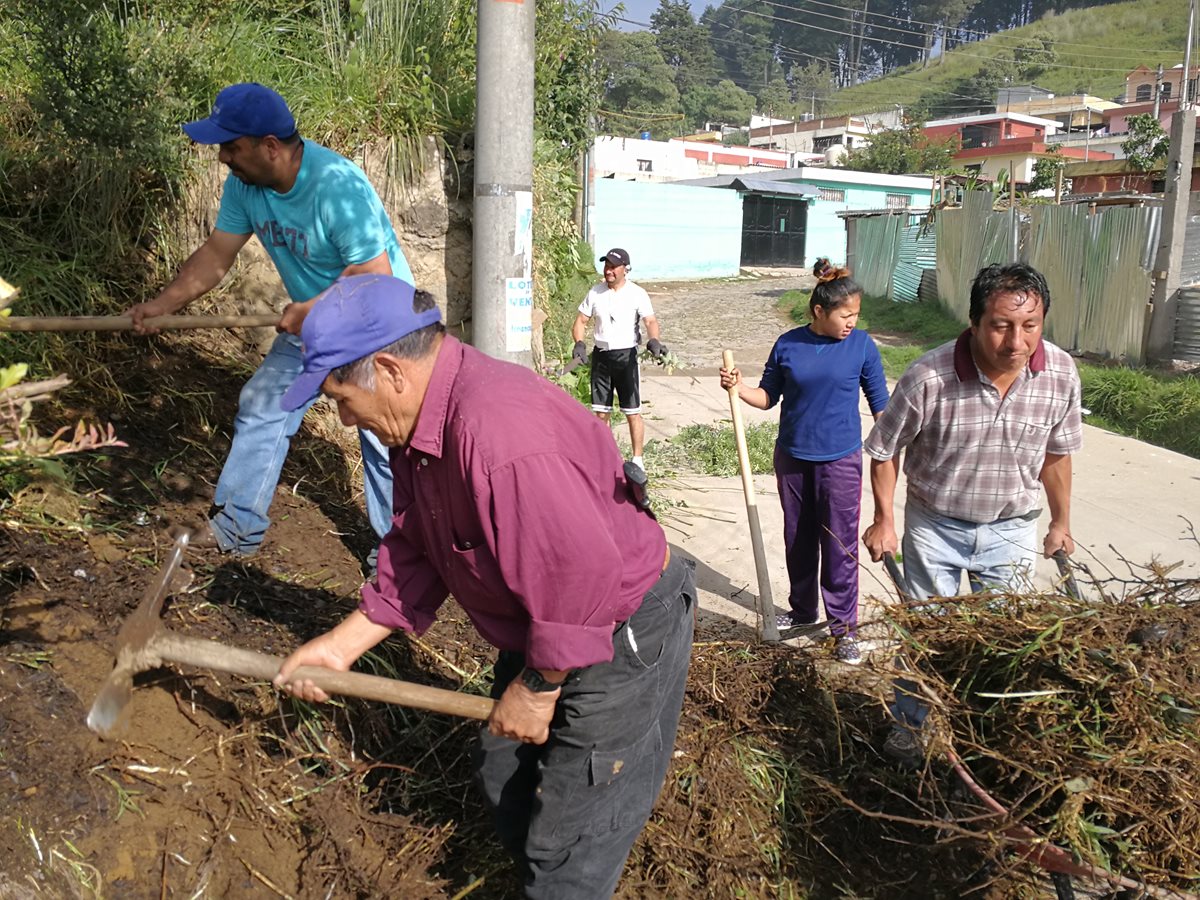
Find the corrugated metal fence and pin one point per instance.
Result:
(1097, 264)
(891, 252)
(969, 238)
(876, 242)
(1098, 268)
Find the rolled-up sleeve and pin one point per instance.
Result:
(407, 591)
(900, 422)
(555, 558)
(1067, 436)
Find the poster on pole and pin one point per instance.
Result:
(523, 230)
(518, 314)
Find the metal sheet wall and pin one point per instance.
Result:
(916, 253)
(969, 238)
(876, 240)
(1187, 326)
(1098, 270)
(1190, 268)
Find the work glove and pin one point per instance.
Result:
(656, 347)
(580, 351)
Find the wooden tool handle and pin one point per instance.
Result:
(124, 323)
(768, 631)
(212, 655)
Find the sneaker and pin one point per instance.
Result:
(639, 462)
(791, 619)
(847, 651)
(203, 537)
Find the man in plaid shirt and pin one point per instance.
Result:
(988, 420)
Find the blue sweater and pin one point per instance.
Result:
(819, 379)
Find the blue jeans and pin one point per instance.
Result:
(938, 549)
(569, 810)
(262, 432)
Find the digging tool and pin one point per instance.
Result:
(144, 643)
(1067, 575)
(124, 323)
(767, 631)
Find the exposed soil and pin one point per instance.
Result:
(222, 788)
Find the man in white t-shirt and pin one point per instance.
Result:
(615, 308)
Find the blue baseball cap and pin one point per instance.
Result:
(243, 110)
(357, 316)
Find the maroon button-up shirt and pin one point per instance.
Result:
(511, 496)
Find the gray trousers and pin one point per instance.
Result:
(569, 810)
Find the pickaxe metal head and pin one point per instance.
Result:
(135, 646)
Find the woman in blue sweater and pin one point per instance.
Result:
(818, 371)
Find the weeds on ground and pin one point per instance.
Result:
(712, 450)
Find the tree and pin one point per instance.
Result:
(813, 85)
(1147, 146)
(901, 151)
(639, 85)
(1045, 170)
(726, 103)
(684, 44)
(775, 100)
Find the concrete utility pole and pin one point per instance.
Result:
(1164, 304)
(1158, 83)
(502, 244)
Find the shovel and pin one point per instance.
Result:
(144, 643)
(124, 323)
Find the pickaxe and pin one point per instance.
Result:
(144, 643)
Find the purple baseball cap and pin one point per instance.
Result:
(243, 110)
(357, 316)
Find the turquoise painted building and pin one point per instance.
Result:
(765, 217)
(841, 190)
(671, 231)
(771, 208)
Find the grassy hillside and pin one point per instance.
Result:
(1099, 46)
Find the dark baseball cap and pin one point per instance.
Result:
(243, 110)
(616, 256)
(357, 316)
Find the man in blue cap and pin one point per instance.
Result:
(318, 218)
(505, 499)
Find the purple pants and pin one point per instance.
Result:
(821, 502)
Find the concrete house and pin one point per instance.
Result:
(790, 217)
(992, 143)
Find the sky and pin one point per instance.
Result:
(642, 10)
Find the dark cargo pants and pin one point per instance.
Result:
(569, 810)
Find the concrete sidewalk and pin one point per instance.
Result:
(1131, 505)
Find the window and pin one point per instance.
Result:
(897, 201)
(1166, 90)
(1143, 92)
(821, 144)
(645, 165)
(836, 195)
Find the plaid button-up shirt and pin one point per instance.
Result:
(970, 454)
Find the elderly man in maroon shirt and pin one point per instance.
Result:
(511, 496)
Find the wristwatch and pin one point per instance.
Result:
(533, 680)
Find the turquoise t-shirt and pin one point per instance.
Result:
(330, 219)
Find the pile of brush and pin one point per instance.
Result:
(1080, 717)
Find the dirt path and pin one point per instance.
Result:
(743, 314)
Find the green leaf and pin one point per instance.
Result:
(11, 375)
